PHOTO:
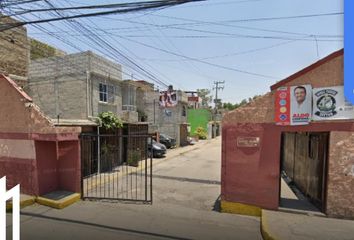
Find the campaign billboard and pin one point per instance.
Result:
(329, 104)
(168, 98)
(293, 105)
(282, 106)
(301, 104)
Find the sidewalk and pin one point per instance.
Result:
(172, 153)
(186, 192)
(278, 225)
(297, 219)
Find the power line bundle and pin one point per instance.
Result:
(118, 9)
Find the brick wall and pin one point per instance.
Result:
(97, 106)
(105, 67)
(340, 194)
(243, 121)
(67, 85)
(170, 119)
(65, 95)
(261, 110)
(147, 102)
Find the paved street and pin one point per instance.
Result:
(185, 189)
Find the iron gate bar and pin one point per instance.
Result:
(114, 171)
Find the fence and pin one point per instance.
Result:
(116, 167)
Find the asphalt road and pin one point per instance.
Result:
(185, 193)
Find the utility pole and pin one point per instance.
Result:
(219, 85)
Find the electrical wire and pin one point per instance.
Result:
(158, 4)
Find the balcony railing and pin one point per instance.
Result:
(129, 108)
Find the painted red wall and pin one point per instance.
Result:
(20, 171)
(47, 166)
(251, 175)
(58, 166)
(28, 143)
(69, 166)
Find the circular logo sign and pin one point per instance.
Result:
(326, 103)
(283, 117)
(282, 102)
(283, 95)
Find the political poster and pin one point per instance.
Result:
(301, 104)
(168, 98)
(282, 106)
(293, 105)
(330, 104)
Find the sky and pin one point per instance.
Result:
(193, 45)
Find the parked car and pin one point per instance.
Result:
(191, 141)
(156, 149)
(168, 141)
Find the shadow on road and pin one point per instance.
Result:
(217, 204)
(96, 225)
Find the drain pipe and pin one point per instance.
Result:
(98, 144)
(88, 108)
(98, 151)
(87, 93)
(99, 125)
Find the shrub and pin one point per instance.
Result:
(134, 158)
(201, 133)
(109, 121)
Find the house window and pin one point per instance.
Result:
(184, 111)
(106, 93)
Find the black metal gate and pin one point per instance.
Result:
(116, 167)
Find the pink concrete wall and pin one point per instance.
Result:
(250, 175)
(22, 116)
(29, 155)
(69, 168)
(47, 165)
(20, 171)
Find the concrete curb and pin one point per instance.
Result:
(249, 210)
(23, 203)
(266, 234)
(239, 208)
(59, 204)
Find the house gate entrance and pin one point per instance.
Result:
(116, 167)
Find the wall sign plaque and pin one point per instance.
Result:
(248, 142)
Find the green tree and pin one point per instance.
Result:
(231, 106)
(204, 94)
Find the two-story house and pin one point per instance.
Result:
(168, 120)
(73, 89)
(173, 120)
